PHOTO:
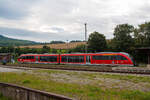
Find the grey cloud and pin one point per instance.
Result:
(37, 36)
(15, 9)
(56, 11)
(17, 32)
(101, 17)
(57, 29)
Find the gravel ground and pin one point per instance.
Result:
(2, 69)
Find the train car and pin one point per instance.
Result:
(73, 58)
(111, 59)
(103, 58)
(39, 58)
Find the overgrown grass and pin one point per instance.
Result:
(131, 78)
(78, 91)
(3, 98)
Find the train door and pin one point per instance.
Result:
(88, 59)
(36, 59)
(122, 60)
(116, 61)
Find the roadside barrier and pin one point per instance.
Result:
(22, 93)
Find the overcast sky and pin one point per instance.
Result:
(47, 20)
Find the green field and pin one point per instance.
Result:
(83, 85)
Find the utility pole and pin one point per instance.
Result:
(85, 38)
(14, 54)
(67, 46)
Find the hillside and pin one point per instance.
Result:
(57, 46)
(5, 41)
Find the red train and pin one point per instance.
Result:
(104, 58)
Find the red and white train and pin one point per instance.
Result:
(104, 58)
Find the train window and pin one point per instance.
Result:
(97, 57)
(48, 58)
(101, 57)
(52, 58)
(81, 58)
(22, 57)
(111, 57)
(31, 57)
(25, 57)
(78, 59)
(119, 57)
(64, 59)
(106, 57)
(28, 57)
(43, 58)
(123, 58)
(70, 58)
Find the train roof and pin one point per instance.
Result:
(80, 53)
(102, 53)
(39, 54)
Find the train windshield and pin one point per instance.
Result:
(20, 57)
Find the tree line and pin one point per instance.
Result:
(126, 38)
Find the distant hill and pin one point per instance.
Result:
(5, 41)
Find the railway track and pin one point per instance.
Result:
(126, 70)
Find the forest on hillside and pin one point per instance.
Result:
(5, 41)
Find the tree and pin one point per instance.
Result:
(142, 35)
(3, 50)
(123, 40)
(80, 48)
(96, 42)
(45, 49)
(75, 41)
(56, 42)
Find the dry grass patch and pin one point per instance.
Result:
(57, 46)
